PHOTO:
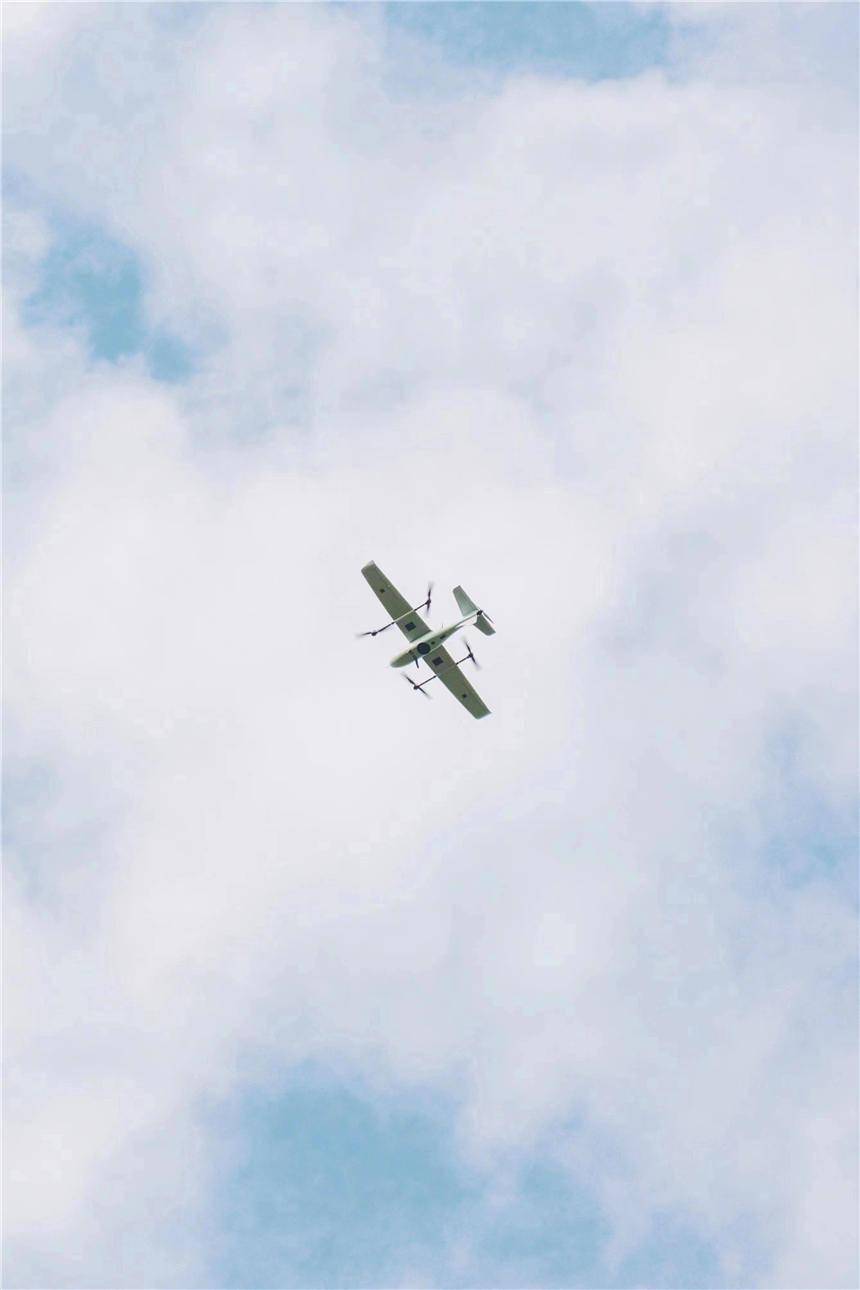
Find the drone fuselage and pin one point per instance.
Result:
(424, 645)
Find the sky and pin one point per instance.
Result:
(309, 984)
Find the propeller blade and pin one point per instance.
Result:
(377, 630)
(470, 654)
(418, 688)
(429, 599)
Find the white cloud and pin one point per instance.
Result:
(584, 349)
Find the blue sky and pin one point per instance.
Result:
(492, 293)
(90, 280)
(338, 1186)
(592, 41)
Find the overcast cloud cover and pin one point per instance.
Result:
(308, 982)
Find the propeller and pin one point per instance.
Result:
(470, 655)
(376, 631)
(425, 605)
(420, 689)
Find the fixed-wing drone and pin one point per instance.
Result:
(427, 644)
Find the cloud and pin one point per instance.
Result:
(587, 349)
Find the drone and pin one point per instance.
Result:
(426, 644)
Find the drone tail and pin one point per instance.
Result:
(467, 606)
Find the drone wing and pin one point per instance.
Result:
(413, 625)
(448, 672)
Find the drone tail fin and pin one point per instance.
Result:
(467, 606)
(464, 603)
